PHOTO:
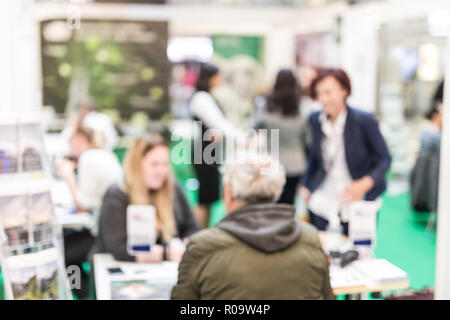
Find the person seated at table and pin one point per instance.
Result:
(260, 250)
(87, 114)
(147, 180)
(97, 169)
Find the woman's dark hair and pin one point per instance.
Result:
(438, 98)
(207, 71)
(285, 96)
(338, 74)
(435, 109)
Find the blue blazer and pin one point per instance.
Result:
(365, 151)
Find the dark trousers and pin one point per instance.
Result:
(289, 190)
(76, 247)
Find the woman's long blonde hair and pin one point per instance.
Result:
(137, 191)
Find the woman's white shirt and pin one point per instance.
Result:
(333, 150)
(325, 200)
(204, 107)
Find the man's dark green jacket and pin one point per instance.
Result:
(257, 252)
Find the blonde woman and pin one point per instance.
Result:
(148, 180)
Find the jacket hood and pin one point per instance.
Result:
(266, 227)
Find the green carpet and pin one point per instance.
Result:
(402, 239)
(2, 294)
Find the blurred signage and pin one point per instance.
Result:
(240, 59)
(123, 65)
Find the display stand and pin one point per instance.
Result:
(31, 247)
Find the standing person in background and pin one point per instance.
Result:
(424, 180)
(206, 109)
(349, 157)
(281, 112)
(307, 104)
(147, 180)
(97, 169)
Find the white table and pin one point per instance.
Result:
(356, 278)
(136, 280)
(65, 207)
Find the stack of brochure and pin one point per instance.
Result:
(380, 271)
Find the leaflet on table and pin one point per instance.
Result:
(345, 278)
(141, 228)
(135, 271)
(143, 282)
(32, 276)
(363, 221)
(380, 271)
(141, 290)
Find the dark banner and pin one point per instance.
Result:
(123, 65)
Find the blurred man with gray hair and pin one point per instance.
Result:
(260, 250)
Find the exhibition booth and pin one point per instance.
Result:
(140, 61)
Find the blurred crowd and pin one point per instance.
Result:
(329, 156)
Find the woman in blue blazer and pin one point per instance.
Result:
(349, 158)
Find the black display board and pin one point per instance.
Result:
(123, 65)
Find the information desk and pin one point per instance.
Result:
(116, 280)
(367, 274)
(133, 281)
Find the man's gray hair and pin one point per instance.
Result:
(255, 178)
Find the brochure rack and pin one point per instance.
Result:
(31, 245)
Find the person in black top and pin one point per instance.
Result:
(214, 126)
